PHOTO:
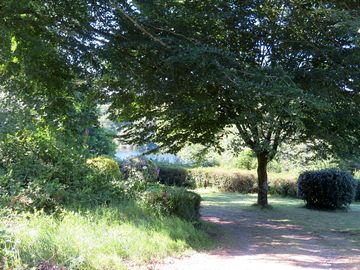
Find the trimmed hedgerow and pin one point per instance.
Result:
(229, 180)
(286, 187)
(224, 180)
(172, 201)
(175, 176)
(327, 188)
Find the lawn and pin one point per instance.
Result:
(292, 211)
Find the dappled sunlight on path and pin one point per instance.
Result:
(286, 237)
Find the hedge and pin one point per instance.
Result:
(230, 180)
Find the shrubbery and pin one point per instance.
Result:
(106, 168)
(175, 176)
(246, 160)
(224, 180)
(230, 180)
(138, 172)
(357, 193)
(140, 169)
(327, 188)
(172, 201)
(286, 187)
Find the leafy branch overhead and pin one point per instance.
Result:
(183, 71)
(277, 70)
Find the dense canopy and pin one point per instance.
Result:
(183, 71)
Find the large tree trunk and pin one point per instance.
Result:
(262, 180)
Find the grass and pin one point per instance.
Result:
(103, 237)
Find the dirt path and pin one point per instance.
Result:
(249, 239)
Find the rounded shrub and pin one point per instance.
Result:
(140, 169)
(327, 188)
(107, 168)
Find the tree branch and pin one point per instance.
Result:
(141, 28)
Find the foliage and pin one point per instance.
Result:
(175, 176)
(140, 169)
(38, 168)
(108, 169)
(283, 186)
(100, 237)
(326, 188)
(225, 180)
(172, 201)
(357, 177)
(246, 160)
(276, 71)
(198, 156)
(100, 142)
(43, 163)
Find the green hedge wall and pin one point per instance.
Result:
(231, 180)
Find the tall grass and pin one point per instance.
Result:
(103, 237)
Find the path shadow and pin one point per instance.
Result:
(269, 236)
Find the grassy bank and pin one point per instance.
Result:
(103, 237)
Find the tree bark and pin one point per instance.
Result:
(262, 180)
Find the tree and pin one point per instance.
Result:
(279, 71)
(182, 71)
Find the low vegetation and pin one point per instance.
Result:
(101, 237)
(327, 188)
(70, 209)
(225, 179)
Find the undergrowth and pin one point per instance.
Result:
(96, 237)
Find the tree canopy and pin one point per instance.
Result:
(278, 71)
(182, 71)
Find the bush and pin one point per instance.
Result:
(140, 169)
(105, 167)
(357, 196)
(175, 176)
(40, 194)
(285, 187)
(172, 201)
(224, 180)
(326, 188)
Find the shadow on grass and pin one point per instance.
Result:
(288, 233)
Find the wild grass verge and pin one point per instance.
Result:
(96, 237)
